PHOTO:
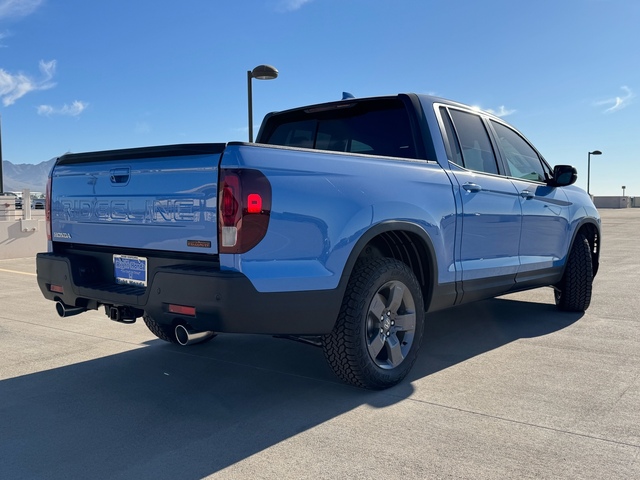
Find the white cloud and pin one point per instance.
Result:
(617, 103)
(45, 110)
(18, 8)
(73, 110)
(48, 69)
(15, 86)
(291, 5)
(501, 112)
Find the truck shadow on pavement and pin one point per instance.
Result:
(458, 334)
(166, 412)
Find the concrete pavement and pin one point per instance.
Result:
(506, 388)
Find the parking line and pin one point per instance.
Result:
(16, 271)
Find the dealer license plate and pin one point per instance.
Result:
(130, 270)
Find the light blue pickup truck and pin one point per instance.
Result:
(343, 225)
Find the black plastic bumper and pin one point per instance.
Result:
(224, 301)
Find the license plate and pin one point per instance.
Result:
(130, 270)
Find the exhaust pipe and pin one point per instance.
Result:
(67, 310)
(185, 335)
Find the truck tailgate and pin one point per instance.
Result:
(155, 198)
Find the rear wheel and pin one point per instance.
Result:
(573, 292)
(162, 331)
(377, 336)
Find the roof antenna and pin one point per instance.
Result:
(347, 95)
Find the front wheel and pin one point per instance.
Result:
(573, 292)
(376, 338)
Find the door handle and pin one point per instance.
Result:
(472, 187)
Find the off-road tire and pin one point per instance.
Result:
(162, 331)
(573, 292)
(377, 335)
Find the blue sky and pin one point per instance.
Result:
(80, 75)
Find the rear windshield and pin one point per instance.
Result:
(375, 127)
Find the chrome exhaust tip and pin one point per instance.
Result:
(185, 335)
(67, 310)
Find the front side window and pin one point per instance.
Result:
(477, 152)
(523, 161)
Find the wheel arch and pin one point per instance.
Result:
(591, 230)
(404, 241)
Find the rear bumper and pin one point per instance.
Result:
(224, 301)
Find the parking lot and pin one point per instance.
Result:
(505, 388)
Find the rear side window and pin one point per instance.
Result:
(295, 134)
(380, 127)
(475, 146)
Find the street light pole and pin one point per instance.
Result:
(595, 152)
(261, 72)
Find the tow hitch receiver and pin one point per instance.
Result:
(122, 314)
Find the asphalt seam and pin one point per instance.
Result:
(527, 424)
(59, 329)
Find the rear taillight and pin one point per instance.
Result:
(244, 207)
(47, 209)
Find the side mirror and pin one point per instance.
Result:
(563, 175)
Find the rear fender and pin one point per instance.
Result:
(403, 240)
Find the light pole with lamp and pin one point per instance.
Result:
(595, 152)
(261, 72)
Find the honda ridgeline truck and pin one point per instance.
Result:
(343, 225)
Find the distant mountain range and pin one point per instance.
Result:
(25, 175)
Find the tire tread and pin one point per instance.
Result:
(163, 332)
(343, 347)
(573, 293)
